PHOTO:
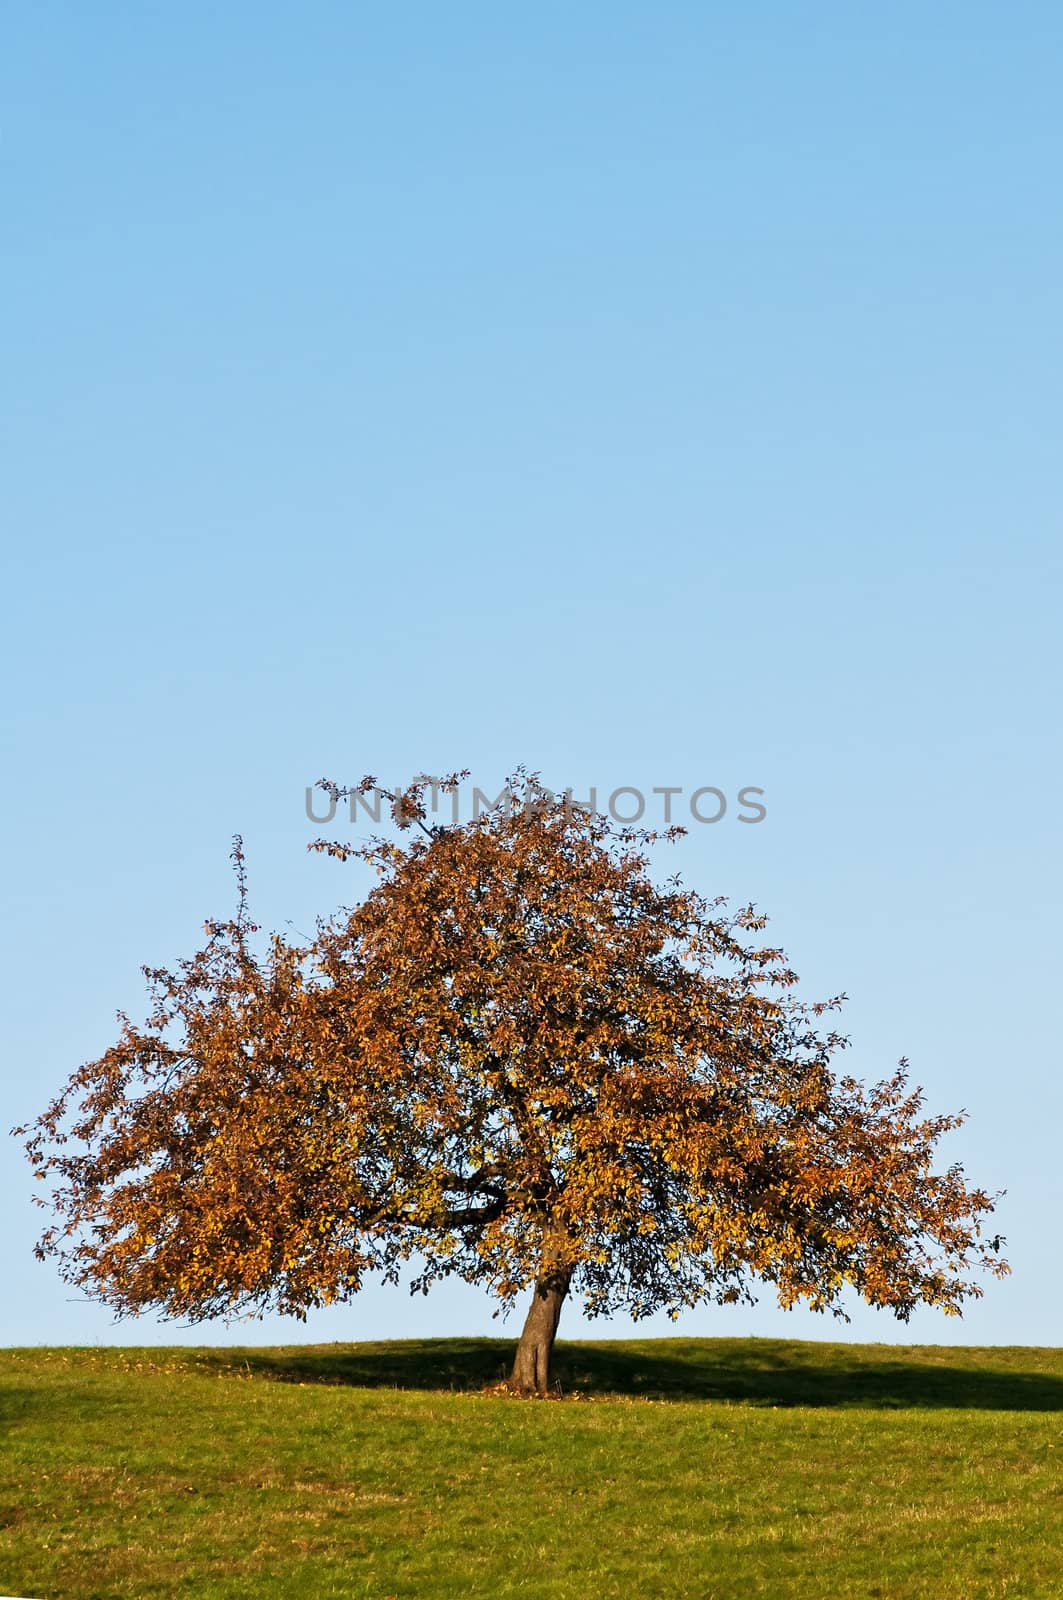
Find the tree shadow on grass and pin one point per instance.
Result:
(753, 1372)
(17, 1402)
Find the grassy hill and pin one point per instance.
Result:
(674, 1467)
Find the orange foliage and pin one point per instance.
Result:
(515, 1042)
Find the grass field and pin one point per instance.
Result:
(687, 1468)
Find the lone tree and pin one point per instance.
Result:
(519, 1061)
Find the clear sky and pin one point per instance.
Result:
(650, 394)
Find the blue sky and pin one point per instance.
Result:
(651, 395)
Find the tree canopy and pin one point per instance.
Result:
(517, 1060)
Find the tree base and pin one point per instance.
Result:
(531, 1365)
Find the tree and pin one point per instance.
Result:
(516, 1060)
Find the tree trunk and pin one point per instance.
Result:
(531, 1367)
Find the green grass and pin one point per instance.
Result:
(681, 1468)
